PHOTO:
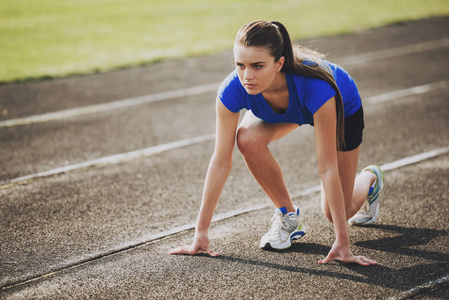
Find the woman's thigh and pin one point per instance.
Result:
(262, 131)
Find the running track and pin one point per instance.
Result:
(102, 174)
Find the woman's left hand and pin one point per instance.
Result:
(343, 253)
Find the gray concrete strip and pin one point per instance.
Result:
(197, 90)
(145, 240)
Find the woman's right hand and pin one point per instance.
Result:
(341, 252)
(200, 245)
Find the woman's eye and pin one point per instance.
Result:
(257, 67)
(240, 66)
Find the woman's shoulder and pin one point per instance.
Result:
(231, 84)
(232, 93)
(231, 81)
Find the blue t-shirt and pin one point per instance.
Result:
(306, 96)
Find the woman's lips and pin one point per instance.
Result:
(250, 85)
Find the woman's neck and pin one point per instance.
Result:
(278, 88)
(277, 96)
(279, 84)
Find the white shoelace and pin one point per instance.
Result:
(278, 223)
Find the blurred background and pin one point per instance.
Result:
(54, 38)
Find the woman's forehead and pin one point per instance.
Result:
(251, 54)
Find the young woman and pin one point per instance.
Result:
(283, 87)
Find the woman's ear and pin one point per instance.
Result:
(280, 63)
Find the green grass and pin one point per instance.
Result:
(62, 37)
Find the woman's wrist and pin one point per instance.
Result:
(202, 223)
(201, 236)
(201, 231)
(342, 239)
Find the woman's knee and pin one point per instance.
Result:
(248, 141)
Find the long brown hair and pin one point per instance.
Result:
(299, 60)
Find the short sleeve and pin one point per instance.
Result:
(317, 93)
(232, 94)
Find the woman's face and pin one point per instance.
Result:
(256, 68)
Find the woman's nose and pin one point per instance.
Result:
(248, 74)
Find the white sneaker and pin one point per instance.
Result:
(369, 211)
(285, 227)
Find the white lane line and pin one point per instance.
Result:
(153, 238)
(389, 53)
(417, 90)
(421, 288)
(202, 89)
(414, 159)
(113, 159)
(76, 112)
(117, 158)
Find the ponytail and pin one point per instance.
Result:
(304, 61)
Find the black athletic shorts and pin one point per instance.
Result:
(354, 125)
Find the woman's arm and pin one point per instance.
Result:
(219, 166)
(217, 173)
(325, 123)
